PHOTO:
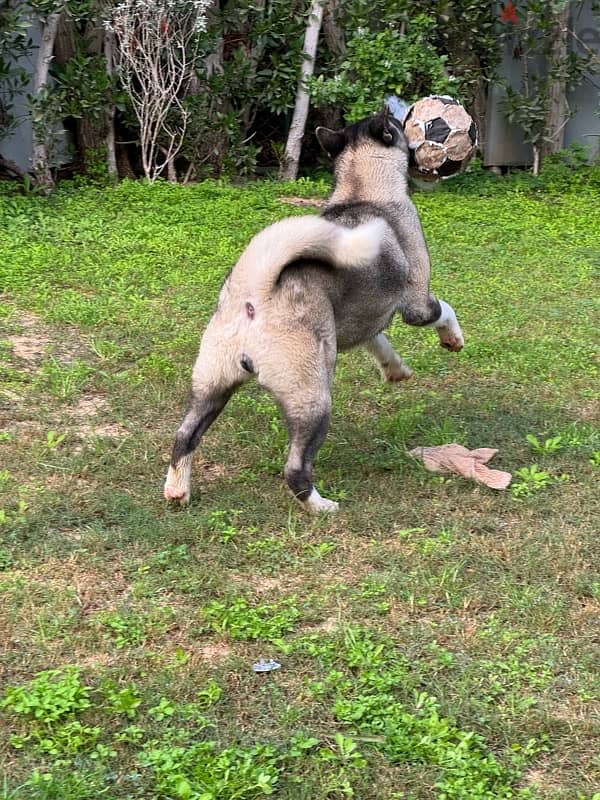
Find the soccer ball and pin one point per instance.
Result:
(441, 135)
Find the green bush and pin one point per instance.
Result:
(380, 63)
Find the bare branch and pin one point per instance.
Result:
(155, 55)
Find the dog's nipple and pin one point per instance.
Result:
(250, 310)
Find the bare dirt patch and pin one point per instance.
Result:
(92, 590)
(29, 348)
(89, 405)
(273, 587)
(539, 778)
(36, 340)
(26, 428)
(82, 422)
(213, 472)
(329, 625)
(213, 652)
(109, 430)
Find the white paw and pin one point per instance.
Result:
(451, 338)
(396, 371)
(320, 505)
(448, 329)
(176, 487)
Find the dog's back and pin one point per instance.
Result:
(371, 184)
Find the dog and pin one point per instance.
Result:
(308, 287)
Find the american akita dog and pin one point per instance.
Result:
(308, 287)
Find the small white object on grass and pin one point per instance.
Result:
(266, 666)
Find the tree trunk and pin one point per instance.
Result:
(66, 40)
(333, 31)
(124, 168)
(170, 165)
(91, 129)
(557, 110)
(111, 152)
(40, 156)
(479, 112)
(536, 159)
(293, 145)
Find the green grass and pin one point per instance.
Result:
(438, 640)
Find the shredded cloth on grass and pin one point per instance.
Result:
(470, 463)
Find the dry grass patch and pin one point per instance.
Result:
(305, 202)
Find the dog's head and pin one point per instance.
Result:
(382, 131)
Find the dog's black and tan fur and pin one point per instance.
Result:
(308, 287)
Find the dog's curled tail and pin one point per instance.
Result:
(262, 262)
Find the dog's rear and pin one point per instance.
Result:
(247, 336)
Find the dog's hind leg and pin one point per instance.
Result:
(300, 375)
(391, 365)
(218, 372)
(204, 407)
(307, 427)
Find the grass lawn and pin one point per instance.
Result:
(437, 639)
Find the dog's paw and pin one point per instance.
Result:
(175, 493)
(394, 373)
(451, 340)
(320, 505)
(176, 488)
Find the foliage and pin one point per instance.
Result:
(232, 108)
(364, 682)
(131, 628)
(53, 695)
(201, 773)
(266, 621)
(156, 54)
(566, 171)
(378, 64)
(550, 445)
(532, 480)
(251, 55)
(82, 86)
(464, 33)
(532, 37)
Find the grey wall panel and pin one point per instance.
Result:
(18, 145)
(505, 145)
(584, 126)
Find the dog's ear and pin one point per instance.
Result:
(388, 136)
(333, 142)
(383, 129)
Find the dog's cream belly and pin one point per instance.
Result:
(348, 300)
(357, 325)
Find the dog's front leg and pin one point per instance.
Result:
(418, 306)
(393, 369)
(448, 329)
